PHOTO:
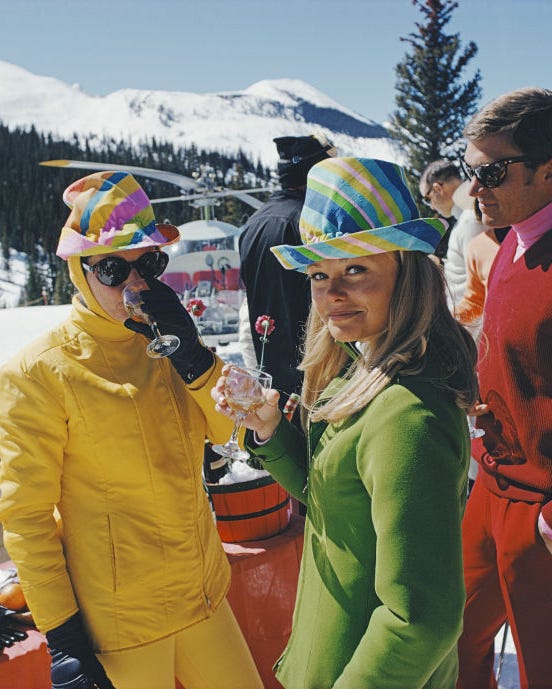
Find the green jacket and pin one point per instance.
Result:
(111, 442)
(381, 592)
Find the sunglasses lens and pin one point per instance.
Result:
(152, 264)
(112, 271)
(491, 175)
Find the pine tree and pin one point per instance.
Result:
(234, 210)
(34, 286)
(433, 103)
(63, 287)
(5, 244)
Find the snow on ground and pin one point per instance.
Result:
(509, 678)
(19, 326)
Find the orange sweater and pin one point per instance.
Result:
(480, 255)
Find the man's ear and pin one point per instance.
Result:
(547, 171)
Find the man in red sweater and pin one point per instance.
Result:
(508, 522)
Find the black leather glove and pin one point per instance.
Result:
(73, 661)
(9, 632)
(192, 358)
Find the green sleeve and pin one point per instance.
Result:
(285, 457)
(412, 458)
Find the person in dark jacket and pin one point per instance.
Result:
(285, 297)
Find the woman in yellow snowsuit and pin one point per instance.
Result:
(103, 505)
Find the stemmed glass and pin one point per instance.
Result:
(244, 392)
(162, 345)
(474, 432)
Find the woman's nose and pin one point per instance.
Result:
(336, 288)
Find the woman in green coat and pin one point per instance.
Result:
(382, 463)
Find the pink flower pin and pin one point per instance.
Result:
(264, 325)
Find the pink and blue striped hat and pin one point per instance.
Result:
(358, 207)
(110, 212)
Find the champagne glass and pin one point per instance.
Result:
(244, 392)
(162, 345)
(474, 432)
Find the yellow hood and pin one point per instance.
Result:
(78, 278)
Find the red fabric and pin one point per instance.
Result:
(508, 573)
(213, 276)
(179, 282)
(262, 593)
(515, 375)
(26, 665)
(232, 279)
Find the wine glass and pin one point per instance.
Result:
(162, 345)
(474, 432)
(244, 392)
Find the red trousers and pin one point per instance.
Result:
(508, 573)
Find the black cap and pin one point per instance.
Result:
(298, 154)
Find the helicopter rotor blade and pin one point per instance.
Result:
(186, 183)
(246, 198)
(181, 181)
(169, 199)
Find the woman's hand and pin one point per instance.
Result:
(264, 420)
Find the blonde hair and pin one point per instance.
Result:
(420, 326)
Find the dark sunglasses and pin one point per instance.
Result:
(491, 175)
(113, 270)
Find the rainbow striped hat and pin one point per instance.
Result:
(110, 212)
(358, 207)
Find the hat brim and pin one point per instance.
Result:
(422, 234)
(72, 243)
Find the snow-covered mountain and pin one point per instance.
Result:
(226, 122)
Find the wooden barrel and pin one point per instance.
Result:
(250, 510)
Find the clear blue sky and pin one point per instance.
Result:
(346, 48)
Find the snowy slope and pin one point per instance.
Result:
(224, 122)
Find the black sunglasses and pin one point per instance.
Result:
(491, 175)
(113, 270)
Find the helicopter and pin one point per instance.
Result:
(204, 266)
